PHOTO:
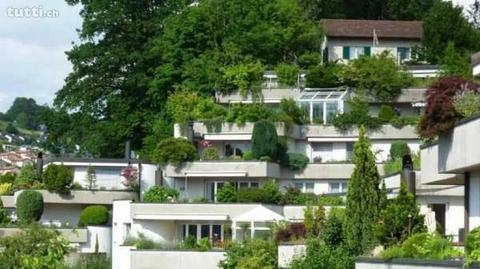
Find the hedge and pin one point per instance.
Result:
(29, 206)
(93, 215)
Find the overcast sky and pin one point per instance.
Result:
(32, 49)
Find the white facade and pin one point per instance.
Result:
(335, 48)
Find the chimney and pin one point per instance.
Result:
(39, 165)
(127, 150)
(408, 176)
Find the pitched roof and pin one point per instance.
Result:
(364, 28)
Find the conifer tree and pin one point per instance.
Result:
(363, 199)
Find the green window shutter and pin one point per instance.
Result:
(346, 53)
(367, 51)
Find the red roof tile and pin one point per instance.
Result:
(364, 29)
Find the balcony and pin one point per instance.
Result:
(84, 197)
(269, 96)
(79, 235)
(219, 169)
(430, 174)
(320, 133)
(458, 150)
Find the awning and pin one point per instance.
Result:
(228, 137)
(216, 173)
(180, 217)
(332, 139)
(259, 214)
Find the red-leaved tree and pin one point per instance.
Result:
(440, 115)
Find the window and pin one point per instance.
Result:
(247, 184)
(212, 231)
(318, 112)
(322, 147)
(205, 231)
(356, 52)
(350, 151)
(192, 230)
(213, 188)
(321, 105)
(332, 110)
(337, 187)
(403, 54)
(305, 187)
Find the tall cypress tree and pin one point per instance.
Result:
(363, 199)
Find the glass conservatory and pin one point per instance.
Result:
(321, 105)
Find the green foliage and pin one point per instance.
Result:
(321, 256)
(8, 178)
(33, 248)
(402, 121)
(248, 156)
(268, 193)
(204, 244)
(271, 192)
(467, 103)
(287, 74)
(247, 78)
(314, 220)
(160, 194)
(378, 76)
(264, 140)
(393, 166)
(293, 196)
(11, 129)
(445, 23)
(324, 76)
(210, 154)
(400, 219)
(250, 254)
(357, 116)
(93, 215)
(332, 233)
(3, 214)
(453, 63)
(6, 188)
(472, 246)
(363, 197)
(26, 113)
(58, 178)
(226, 194)
(423, 246)
(290, 108)
(386, 113)
(27, 175)
(296, 161)
(189, 242)
(398, 149)
(91, 177)
(241, 113)
(142, 242)
(180, 106)
(29, 206)
(93, 261)
(174, 151)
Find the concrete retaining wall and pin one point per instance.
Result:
(150, 259)
(373, 263)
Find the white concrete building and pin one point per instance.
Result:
(108, 172)
(455, 160)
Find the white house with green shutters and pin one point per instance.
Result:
(346, 40)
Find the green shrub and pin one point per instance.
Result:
(29, 206)
(250, 254)
(467, 103)
(6, 188)
(142, 242)
(248, 156)
(320, 255)
(93, 215)
(378, 76)
(210, 154)
(333, 229)
(247, 78)
(296, 161)
(8, 178)
(271, 192)
(398, 149)
(241, 113)
(423, 246)
(58, 178)
(291, 108)
(386, 113)
(160, 194)
(399, 219)
(93, 261)
(250, 195)
(287, 74)
(26, 177)
(3, 214)
(402, 121)
(357, 116)
(204, 244)
(472, 246)
(174, 151)
(324, 76)
(264, 140)
(226, 194)
(189, 242)
(394, 166)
